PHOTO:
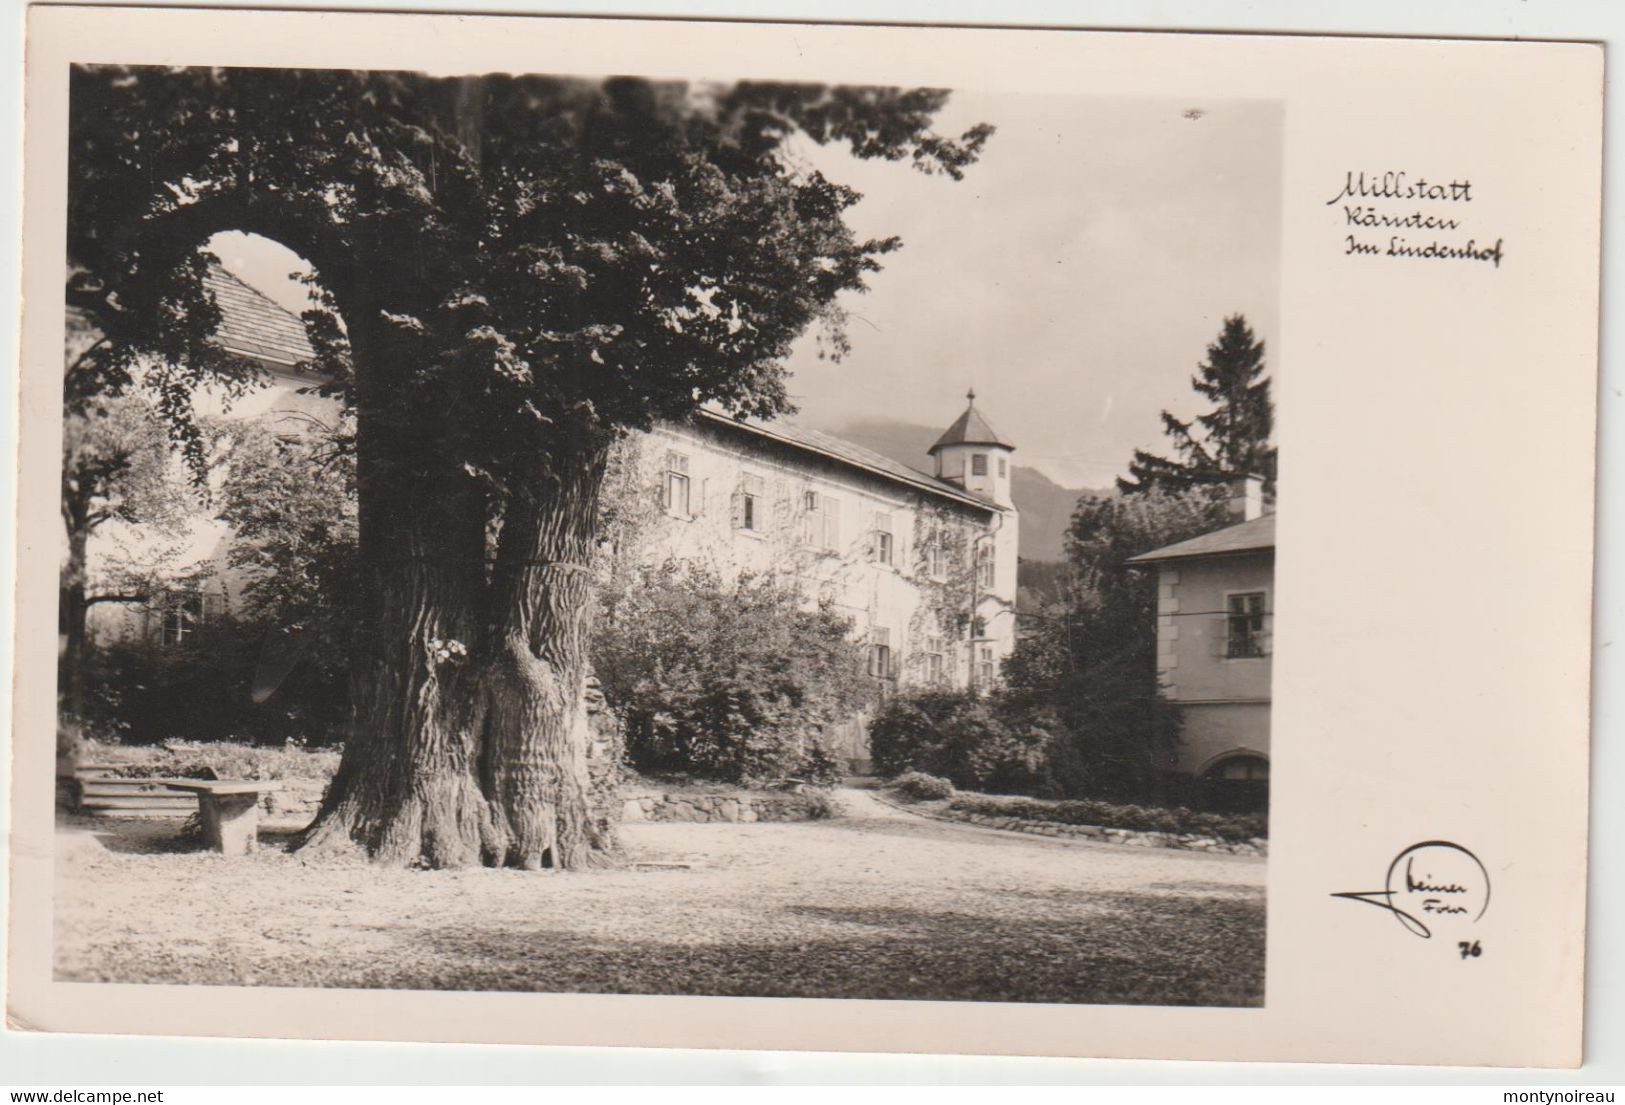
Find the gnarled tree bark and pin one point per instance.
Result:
(538, 736)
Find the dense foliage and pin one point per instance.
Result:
(1079, 714)
(117, 467)
(1092, 663)
(201, 690)
(1234, 439)
(735, 681)
(962, 737)
(290, 501)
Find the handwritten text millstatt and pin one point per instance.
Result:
(1382, 201)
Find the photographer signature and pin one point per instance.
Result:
(1431, 884)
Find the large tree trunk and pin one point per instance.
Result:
(407, 789)
(474, 751)
(538, 734)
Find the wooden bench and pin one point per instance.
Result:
(229, 810)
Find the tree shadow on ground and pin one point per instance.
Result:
(174, 836)
(1130, 948)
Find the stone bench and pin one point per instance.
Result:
(229, 810)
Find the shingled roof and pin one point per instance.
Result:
(844, 452)
(1250, 536)
(253, 325)
(970, 428)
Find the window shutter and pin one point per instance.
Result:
(738, 509)
(832, 522)
(1218, 631)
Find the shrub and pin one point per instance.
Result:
(963, 738)
(141, 693)
(733, 681)
(1177, 819)
(822, 805)
(917, 784)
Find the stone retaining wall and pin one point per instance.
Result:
(1193, 842)
(743, 807)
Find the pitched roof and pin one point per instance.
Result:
(970, 428)
(253, 325)
(844, 452)
(1259, 533)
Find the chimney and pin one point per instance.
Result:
(1246, 498)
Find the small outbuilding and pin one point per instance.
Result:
(1215, 613)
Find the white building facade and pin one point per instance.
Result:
(924, 566)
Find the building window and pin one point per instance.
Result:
(674, 489)
(984, 665)
(180, 615)
(978, 464)
(936, 561)
(880, 657)
(881, 546)
(750, 505)
(1244, 621)
(934, 660)
(820, 520)
(984, 567)
(1002, 470)
(809, 524)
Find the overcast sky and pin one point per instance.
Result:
(1074, 277)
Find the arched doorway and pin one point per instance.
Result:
(1239, 767)
(1237, 782)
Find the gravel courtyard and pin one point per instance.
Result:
(876, 904)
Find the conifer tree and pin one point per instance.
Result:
(1234, 437)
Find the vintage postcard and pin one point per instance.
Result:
(768, 535)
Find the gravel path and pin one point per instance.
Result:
(878, 904)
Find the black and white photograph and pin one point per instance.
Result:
(630, 535)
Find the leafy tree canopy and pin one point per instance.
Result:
(512, 255)
(1093, 660)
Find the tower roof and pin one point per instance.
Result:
(970, 428)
